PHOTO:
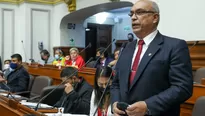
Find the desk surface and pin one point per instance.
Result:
(10, 107)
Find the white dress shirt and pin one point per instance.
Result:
(147, 40)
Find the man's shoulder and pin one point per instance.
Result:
(171, 40)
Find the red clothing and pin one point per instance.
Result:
(78, 63)
(100, 113)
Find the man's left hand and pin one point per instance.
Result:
(68, 88)
(137, 109)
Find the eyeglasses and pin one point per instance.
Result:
(140, 12)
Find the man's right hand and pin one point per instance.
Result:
(116, 111)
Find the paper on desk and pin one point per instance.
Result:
(6, 94)
(33, 105)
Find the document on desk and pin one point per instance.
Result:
(33, 105)
(6, 95)
(63, 114)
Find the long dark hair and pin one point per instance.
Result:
(101, 72)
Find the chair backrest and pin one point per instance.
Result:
(54, 96)
(30, 82)
(199, 106)
(199, 74)
(39, 83)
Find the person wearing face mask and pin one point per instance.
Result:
(7, 64)
(77, 93)
(101, 79)
(45, 57)
(59, 58)
(16, 77)
(104, 58)
(130, 37)
(75, 59)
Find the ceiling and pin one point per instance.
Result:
(80, 15)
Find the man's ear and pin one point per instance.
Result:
(156, 18)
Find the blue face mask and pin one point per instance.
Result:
(56, 56)
(13, 65)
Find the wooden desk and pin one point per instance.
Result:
(186, 108)
(10, 107)
(54, 73)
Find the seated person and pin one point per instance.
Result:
(76, 98)
(116, 55)
(46, 58)
(104, 59)
(59, 58)
(67, 59)
(101, 80)
(75, 59)
(7, 64)
(16, 77)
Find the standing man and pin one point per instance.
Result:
(154, 74)
(16, 77)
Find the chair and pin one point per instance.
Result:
(199, 106)
(32, 78)
(54, 96)
(39, 83)
(200, 73)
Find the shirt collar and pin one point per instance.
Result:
(148, 39)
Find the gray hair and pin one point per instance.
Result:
(75, 49)
(155, 6)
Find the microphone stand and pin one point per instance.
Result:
(36, 108)
(9, 92)
(88, 46)
(103, 53)
(103, 94)
(196, 42)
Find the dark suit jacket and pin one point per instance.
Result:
(107, 61)
(78, 101)
(163, 79)
(17, 80)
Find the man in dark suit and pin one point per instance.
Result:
(154, 73)
(16, 77)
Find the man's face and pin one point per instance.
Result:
(15, 60)
(44, 57)
(73, 54)
(143, 17)
(72, 80)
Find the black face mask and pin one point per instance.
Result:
(107, 90)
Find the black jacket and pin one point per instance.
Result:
(17, 80)
(78, 100)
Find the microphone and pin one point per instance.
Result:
(36, 108)
(103, 93)
(24, 51)
(9, 91)
(103, 53)
(122, 48)
(196, 42)
(88, 46)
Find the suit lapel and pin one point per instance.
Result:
(128, 59)
(151, 51)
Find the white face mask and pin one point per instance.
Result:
(6, 66)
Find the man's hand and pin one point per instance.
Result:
(137, 109)
(2, 79)
(68, 88)
(116, 111)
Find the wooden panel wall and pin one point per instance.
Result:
(197, 54)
